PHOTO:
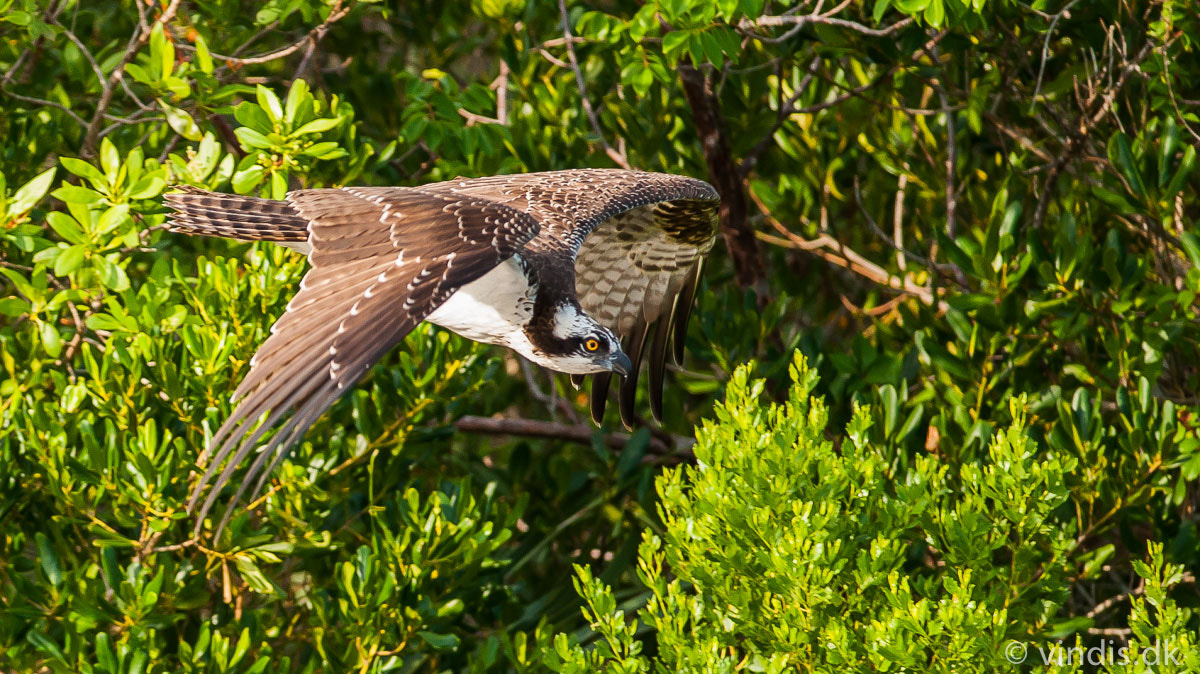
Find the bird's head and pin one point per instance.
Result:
(573, 342)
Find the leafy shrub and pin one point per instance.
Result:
(783, 549)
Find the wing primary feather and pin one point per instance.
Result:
(683, 310)
(577, 380)
(627, 394)
(278, 448)
(600, 384)
(235, 437)
(243, 445)
(658, 363)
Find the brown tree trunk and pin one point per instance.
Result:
(722, 170)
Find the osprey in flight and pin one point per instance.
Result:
(575, 270)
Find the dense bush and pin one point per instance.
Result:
(976, 221)
(787, 550)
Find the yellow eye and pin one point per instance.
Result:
(591, 345)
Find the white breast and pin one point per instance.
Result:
(493, 309)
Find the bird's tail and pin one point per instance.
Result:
(234, 216)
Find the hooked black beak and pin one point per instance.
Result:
(621, 364)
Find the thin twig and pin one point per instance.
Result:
(781, 116)
(894, 243)
(1046, 51)
(587, 105)
(41, 101)
(1097, 107)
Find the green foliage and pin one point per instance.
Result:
(975, 219)
(783, 550)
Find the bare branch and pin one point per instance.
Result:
(136, 41)
(311, 38)
(798, 22)
(832, 250)
(1097, 107)
(578, 433)
(1037, 89)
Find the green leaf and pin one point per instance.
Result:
(1169, 143)
(935, 13)
(251, 139)
(112, 218)
(180, 121)
(1122, 158)
(203, 56)
(83, 169)
(110, 160)
(13, 307)
(297, 96)
(111, 274)
(147, 188)
(674, 42)
(139, 74)
(250, 115)
(31, 192)
(1191, 246)
(278, 185)
(48, 559)
(50, 339)
(1182, 173)
(442, 642)
(66, 227)
(162, 51)
(881, 8)
(269, 102)
(254, 576)
(68, 260)
(17, 17)
(43, 643)
(77, 195)
(104, 653)
(246, 180)
(317, 126)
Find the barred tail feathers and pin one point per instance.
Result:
(234, 216)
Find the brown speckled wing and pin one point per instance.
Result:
(640, 240)
(637, 273)
(382, 260)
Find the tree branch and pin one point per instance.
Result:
(739, 236)
(1096, 107)
(798, 22)
(136, 41)
(314, 36)
(832, 250)
(581, 434)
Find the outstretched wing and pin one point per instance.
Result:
(640, 240)
(382, 260)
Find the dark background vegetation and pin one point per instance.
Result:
(975, 221)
